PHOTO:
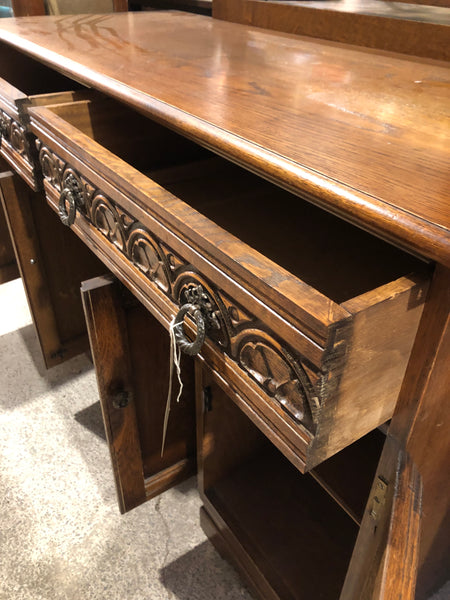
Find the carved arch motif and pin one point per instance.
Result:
(14, 134)
(52, 166)
(271, 365)
(106, 219)
(146, 254)
(279, 374)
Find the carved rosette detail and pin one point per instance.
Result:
(272, 366)
(13, 134)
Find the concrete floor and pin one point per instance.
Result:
(61, 534)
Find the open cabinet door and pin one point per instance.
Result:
(52, 262)
(8, 265)
(131, 356)
(385, 557)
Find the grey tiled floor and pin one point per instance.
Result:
(61, 534)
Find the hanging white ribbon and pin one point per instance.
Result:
(174, 361)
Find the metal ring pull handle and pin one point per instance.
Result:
(71, 197)
(185, 345)
(3, 128)
(67, 198)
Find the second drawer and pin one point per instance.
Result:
(24, 82)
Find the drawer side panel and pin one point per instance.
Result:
(379, 344)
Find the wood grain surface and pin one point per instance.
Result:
(362, 134)
(24, 8)
(109, 345)
(8, 265)
(283, 528)
(422, 422)
(130, 351)
(385, 556)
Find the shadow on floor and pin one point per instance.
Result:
(23, 373)
(31, 343)
(202, 574)
(91, 418)
(55, 375)
(59, 374)
(186, 487)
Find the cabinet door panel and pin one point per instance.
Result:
(52, 262)
(131, 356)
(8, 265)
(385, 557)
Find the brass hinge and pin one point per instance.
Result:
(379, 498)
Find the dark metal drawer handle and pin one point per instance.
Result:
(201, 308)
(185, 345)
(70, 197)
(67, 199)
(3, 128)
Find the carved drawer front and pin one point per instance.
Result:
(307, 320)
(24, 83)
(15, 143)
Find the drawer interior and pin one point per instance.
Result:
(268, 504)
(336, 258)
(29, 76)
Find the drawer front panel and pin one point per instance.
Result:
(16, 146)
(17, 143)
(279, 378)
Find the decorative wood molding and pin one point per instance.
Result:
(286, 378)
(13, 134)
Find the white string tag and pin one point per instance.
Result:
(174, 361)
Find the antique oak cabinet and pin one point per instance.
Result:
(281, 204)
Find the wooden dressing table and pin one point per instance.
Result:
(288, 196)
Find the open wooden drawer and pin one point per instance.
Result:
(309, 320)
(24, 82)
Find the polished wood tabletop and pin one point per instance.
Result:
(361, 133)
